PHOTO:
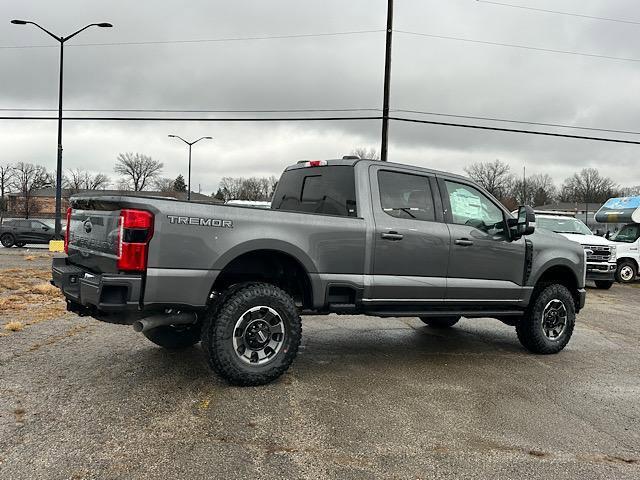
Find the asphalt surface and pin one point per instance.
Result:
(366, 398)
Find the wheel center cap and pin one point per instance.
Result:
(257, 334)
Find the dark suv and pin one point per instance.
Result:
(20, 232)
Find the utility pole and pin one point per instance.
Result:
(387, 83)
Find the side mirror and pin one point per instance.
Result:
(45, 228)
(525, 224)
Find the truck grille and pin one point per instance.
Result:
(598, 253)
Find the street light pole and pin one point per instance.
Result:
(61, 40)
(190, 145)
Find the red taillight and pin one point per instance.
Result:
(135, 230)
(66, 231)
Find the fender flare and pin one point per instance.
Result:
(266, 244)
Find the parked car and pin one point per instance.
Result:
(15, 232)
(601, 253)
(625, 210)
(345, 236)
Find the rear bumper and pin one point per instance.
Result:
(601, 271)
(95, 294)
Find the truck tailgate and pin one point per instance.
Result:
(93, 238)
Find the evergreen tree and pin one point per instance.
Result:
(179, 185)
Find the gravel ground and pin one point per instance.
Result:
(366, 398)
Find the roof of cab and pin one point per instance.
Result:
(351, 162)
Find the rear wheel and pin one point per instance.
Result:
(254, 336)
(627, 271)
(603, 284)
(174, 337)
(440, 322)
(547, 325)
(7, 240)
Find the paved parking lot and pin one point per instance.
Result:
(366, 398)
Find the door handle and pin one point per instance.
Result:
(464, 242)
(395, 236)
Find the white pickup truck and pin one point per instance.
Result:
(601, 253)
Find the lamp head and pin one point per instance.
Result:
(104, 25)
(19, 22)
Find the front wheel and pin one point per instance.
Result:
(547, 325)
(440, 322)
(7, 240)
(254, 336)
(174, 337)
(603, 284)
(627, 271)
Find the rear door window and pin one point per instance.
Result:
(326, 190)
(404, 195)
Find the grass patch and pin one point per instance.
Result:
(44, 289)
(14, 326)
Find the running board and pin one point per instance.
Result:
(445, 313)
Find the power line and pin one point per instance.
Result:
(522, 122)
(512, 130)
(571, 14)
(320, 119)
(192, 119)
(203, 40)
(163, 110)
(512, 45)
(320, 110)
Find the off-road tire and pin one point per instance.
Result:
(7, 240)
(629, 265)
(603, 284)
(174, 337)
(440, 322)
(20, 244)
(530, 327)
(218, 334)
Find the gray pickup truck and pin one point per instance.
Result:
(343, 236)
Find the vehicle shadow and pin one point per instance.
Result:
(343, 349)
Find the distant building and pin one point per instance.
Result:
(43, 201)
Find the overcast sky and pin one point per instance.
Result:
(429, 74)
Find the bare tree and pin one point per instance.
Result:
(239, 188)
(588, 186)
(535, 190)
(252, 189)
(163, 184)
(230, 188)
(138, 170)
(27, 179)
(629, 191)
(6, 177)
(368, 153)
(77, 180)
(495, 177)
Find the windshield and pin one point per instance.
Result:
(627, 234)
(563, 225)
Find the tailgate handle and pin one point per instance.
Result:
(395, 236)
(464, 242)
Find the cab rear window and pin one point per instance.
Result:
(328, 190)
